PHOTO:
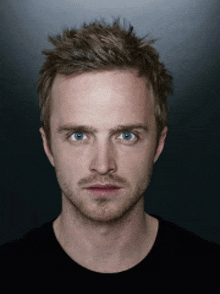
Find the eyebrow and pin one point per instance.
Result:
(89, 129)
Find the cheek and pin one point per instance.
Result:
(137, 164)
(68, 160)
(69, 170)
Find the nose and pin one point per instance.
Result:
(103, 158)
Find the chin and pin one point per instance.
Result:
(105, 212)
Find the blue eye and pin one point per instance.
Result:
(77, 136)
(128, 136)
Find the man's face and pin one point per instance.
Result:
(102, 101)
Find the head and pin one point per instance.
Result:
(102, 47)
(104, 115)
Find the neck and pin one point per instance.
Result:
(106, 247)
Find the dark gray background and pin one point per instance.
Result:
(186, 179)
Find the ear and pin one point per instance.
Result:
(161, 143)
(46, 146)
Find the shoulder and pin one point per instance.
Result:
(28, 259)
(34, 241)
(185, 256)
(187, 246)
(184, 238)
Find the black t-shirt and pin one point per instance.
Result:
(179, 262)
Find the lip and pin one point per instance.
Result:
(108, 186)
(103, 190)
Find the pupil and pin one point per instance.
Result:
(78, 135)
(127, 135)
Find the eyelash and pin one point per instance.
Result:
(69, 136)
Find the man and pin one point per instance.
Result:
(103, 98)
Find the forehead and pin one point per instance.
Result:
(102, 99)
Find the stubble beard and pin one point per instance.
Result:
(102, 214)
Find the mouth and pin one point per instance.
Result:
(103, 187)
(103, 190)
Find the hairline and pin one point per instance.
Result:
(135, 70)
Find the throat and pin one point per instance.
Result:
(106, 259)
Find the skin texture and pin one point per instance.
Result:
(103, 234)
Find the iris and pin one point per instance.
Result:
(127, 135)
(78, 136)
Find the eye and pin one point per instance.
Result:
(77, 136)
(128, 136)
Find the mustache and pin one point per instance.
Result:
(110, 179)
